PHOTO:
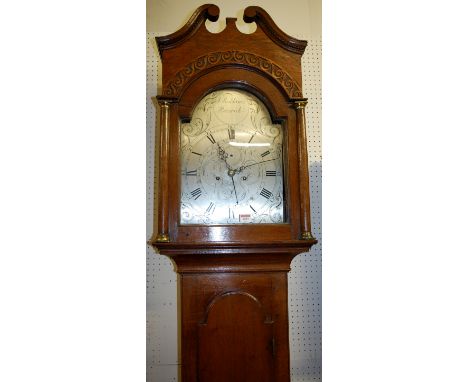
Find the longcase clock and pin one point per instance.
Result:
(232, 202)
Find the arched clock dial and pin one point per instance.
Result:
(231, 162)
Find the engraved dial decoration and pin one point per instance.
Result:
(231, 162)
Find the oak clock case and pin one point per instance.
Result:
(232, 203)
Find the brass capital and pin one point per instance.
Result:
(163, 103)
(300, 104)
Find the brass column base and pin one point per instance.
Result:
(307, 236)
(162, 238)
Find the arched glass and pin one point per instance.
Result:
(231, 162)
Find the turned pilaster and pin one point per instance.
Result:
(306, 234)
(162, 217)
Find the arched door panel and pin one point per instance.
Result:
(236, 341)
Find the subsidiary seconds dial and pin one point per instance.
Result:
(231, 162)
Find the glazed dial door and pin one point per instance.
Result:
(231, 162)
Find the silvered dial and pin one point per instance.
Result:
(231, 162)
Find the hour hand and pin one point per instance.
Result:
(222, 155)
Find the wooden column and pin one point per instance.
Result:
(303, 170)
(161, 220)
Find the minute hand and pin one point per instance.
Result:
(241, 168)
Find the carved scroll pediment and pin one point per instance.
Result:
(251, 14)
(193, 51)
